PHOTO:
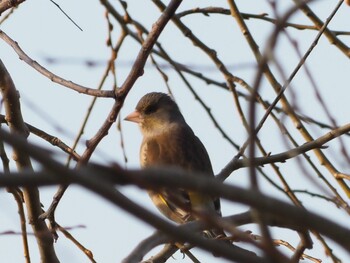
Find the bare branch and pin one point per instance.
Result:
(7, 4)
(319, 24)
(53, 140)
(282, 157)
(135, 73)
(53, 77)
(31, 195)
(264, 16)
(98, 179)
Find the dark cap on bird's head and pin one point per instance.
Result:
(154, 109)
(153, 99)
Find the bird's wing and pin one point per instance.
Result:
(192, 156)
(179, 147)
(174, 204)
(176, 147)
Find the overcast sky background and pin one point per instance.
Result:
(43, 32)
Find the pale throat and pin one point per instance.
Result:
(157, 129)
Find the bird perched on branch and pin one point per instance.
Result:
(169, 141)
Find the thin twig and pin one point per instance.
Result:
(69, 236)
(66, 15)
(264, 16)
(53, 77)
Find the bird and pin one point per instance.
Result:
(169, 141)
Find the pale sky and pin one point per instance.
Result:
(43, 32)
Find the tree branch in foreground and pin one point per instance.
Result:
(23, 162)
(100, 180)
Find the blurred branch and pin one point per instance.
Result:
(265, 69)
(49, 214)
(100, 178)
(280, 242)
(209, 81)
(169, 249)
(23, 162)
(332, 38)
(53, 140)
(179, 68)
(211, 53)
(167, 252)
(8, 14)
(7, 4)
(135, 73)
(106, 189)
(187, 32)
(282, 157)
(262, 61)
(153, 178)
(110, 65)
(18, 196)
(343, 176)
(120, 94)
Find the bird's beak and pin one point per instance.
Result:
(134, 117)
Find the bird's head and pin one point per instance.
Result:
(155, 112)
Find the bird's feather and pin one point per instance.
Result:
(173, 148)
(169, 141)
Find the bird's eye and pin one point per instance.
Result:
(150, 109)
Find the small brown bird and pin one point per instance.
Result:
(169, 141)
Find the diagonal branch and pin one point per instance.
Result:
(332, 38)
(135, 72)
(100, 179)
(264, 16)
(7, 4)
(120, 94)
(53, 77)
(31, 194)
(282, 157)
